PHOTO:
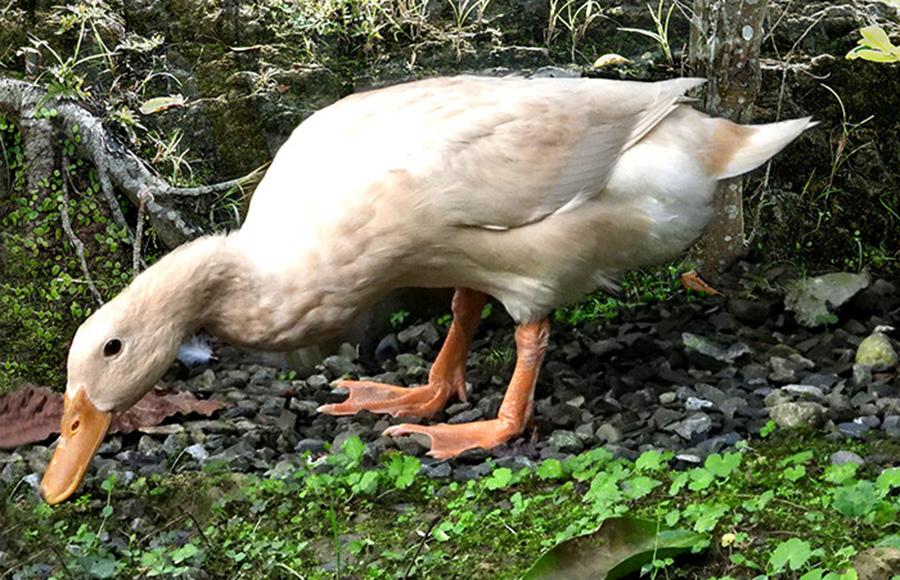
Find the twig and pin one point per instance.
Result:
(138, 232)
(202, 190)
(62, 562)
(199, 528)
(421, 545)
(67, 227)
(106, 187)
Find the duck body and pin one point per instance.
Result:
(534, 192)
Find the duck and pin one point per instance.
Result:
(534, 192)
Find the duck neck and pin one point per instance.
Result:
(211, 283)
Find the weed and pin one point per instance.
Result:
(575, 17)
(661, 35)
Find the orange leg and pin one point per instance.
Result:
(447, 377)
(515, 412)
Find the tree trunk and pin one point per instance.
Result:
(724, 48)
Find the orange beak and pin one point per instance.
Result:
(82, 430)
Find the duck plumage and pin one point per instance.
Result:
(534, 192)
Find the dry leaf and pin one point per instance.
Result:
(31, 413)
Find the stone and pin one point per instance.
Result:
(708, 354)
(695, 404)
(197, 451)
(175, 443)
(425, 332)
(414, 444)
(853, 429)
(314, 446)
(844, 457)
(805, 392)
(149, 446)
(784, 370)
(566, 441)
(877, 352)
(339, 366)
(440, 470)
(304, 408)
(790, 415)
(467, 416)
(891, 425)
(695, 426)
(877, 564)
(814, 300)
(609, 433)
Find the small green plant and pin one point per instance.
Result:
(573, 15)
(398, 318)
(462, 12)
(661, 35)
(875, 46)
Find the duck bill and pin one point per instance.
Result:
(82, 430)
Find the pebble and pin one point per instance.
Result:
(674, 377)
(844, 457)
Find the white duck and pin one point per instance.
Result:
(535, 192)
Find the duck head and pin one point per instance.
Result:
(116, 357)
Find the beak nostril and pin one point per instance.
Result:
(75, 425)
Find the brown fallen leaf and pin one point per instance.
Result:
(31, 413)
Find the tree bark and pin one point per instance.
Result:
(116, 165)
(724, 48)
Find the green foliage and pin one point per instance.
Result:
(875, 46)
(44, 295)
(388, 521)
(638, 288)
(661, 35)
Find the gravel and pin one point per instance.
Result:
(691, 377)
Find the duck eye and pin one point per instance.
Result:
(112, 347)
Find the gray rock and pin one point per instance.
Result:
(696, 425)
(175, 443)
(314, 446)
(790, 415)
(690, 458)
(891, 425)
(585, 432)
(853, 429)
(609, 433)
(695, 404)
(149, 446)
(710, 393)
(466, 416)
(339, 366)
(566, 441)
(440, 470)
(606, 346)
(197, 451)
(777, 397)
(415, 444)
(318, 382)
(783, 370)
(862, 375)
(709, 354)
(814, 300)
(667, 398)
(844, 457)
(425, 332)
(805, 392)
(304, 408)
(563, 415)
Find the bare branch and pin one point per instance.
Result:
(116, 164)
(67, 227)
